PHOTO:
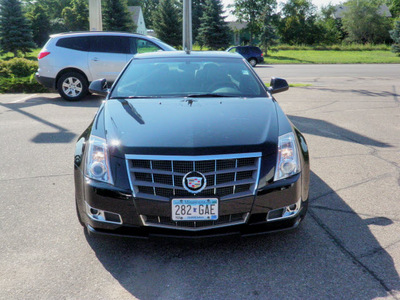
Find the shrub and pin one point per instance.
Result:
(17, 76)
(21, 67)
(26, 84)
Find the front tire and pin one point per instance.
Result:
(72, 86)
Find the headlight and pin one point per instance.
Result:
(97, 162)
(288, 162)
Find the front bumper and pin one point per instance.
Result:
(128, 216)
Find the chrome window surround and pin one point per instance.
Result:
(151, 184)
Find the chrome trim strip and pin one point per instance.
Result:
(194, 158)
(142, 218)
(258, 175)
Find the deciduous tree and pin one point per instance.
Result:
(364, 24)
(76, 16)
(269, 36)
(250, 11)
(40, 24)
(331, 28)
(298, 23)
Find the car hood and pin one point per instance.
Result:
(201, 126)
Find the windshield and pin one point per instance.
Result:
(187, 77)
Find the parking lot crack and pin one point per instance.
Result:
(349, 253)
(322, 207)
(378, 250)
(35, 177)
(386, 175)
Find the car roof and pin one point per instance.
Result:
(193, 54)
(96, 33)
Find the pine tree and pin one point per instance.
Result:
(213, 32)
(116, 16)
(395, 35)
(76, 16)
(167, 23)
(15, 32)
(197, 13)
(40, 24)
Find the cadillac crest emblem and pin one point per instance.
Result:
(194, 182)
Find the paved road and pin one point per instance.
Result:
(347, 248)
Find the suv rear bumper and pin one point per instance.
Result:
(46, 81)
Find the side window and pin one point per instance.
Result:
(144, 46)
(75, 43)
(109, 44)
(244, 51)
(233, 50)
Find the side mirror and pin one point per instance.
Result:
(99, 87)
(278, 85)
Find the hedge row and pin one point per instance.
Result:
(17, 76)
(339, 47)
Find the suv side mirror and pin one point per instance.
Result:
(99, 87)
(278, 85)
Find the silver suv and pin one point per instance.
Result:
(70, 61)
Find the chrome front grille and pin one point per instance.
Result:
(161, 177)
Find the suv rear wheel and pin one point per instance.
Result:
(72, 86)
(253, 62)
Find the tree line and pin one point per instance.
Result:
(25, 24)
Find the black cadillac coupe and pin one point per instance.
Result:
(190, 145)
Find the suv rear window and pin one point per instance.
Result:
(255, 49)
(76, 43)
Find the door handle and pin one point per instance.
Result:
(95, 59)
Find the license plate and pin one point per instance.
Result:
(204, 209)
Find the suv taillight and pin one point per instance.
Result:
(43, 54)
(262, 54)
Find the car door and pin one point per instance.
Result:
(108, 55)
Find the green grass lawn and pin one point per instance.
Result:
(331, 57)
(31, 55)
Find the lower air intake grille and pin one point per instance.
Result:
(166, 222)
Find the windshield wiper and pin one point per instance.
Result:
(206, 95)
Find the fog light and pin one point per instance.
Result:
(284, 212)
(102, 215)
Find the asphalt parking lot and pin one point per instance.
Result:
(347, 248)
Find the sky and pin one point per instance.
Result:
(318, 3)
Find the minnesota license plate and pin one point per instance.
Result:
(204, 209)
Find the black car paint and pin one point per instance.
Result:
(244, 125)
(232, 125)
